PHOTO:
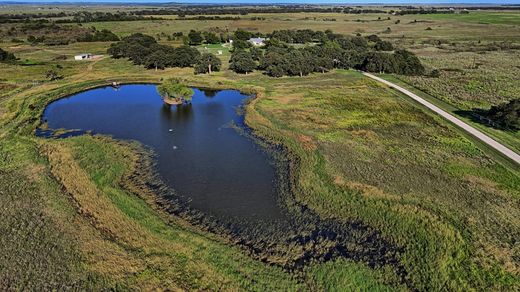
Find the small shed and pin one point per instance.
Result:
(83, 57)
(219, 52)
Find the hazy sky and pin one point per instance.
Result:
(291, 1)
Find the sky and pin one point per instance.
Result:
(282, 1)
(286, 1)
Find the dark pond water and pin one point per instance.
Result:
(199, 152)
(215, 169)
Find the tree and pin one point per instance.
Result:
(211, 38)
(207, 63)
(380, 62)
(506, 115)
(137, 53)
(256, 53)
(53, 75)
(6, 56)
(195, 38)
(142, 39)
(241, 34)
(158, 59)
(353, 43)
(117, 50)
(408, 63)
(360, 43)
(297, 62)
(383, 46)
(323, 58)
(373, 38)
(174, 92)
(242, 62)
(185, 56)
(241, 44)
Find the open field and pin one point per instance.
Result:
(74, 219)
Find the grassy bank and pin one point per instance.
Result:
(381, 160)
(508, 138)
(114, 238)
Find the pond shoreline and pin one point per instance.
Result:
(144, 179)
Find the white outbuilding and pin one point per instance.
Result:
(83, 57)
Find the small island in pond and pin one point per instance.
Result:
(174, 93)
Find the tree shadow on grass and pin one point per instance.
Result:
(478, 115)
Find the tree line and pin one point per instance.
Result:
(277, 58)
(144, 50)
(55, 34)
(75, 17)
(424, 11)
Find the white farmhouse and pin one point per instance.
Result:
(83, 57)
(257, 42)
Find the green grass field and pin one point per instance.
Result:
(72, 218)
(481, 17)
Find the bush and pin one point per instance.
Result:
(506, 115)
(6, 56)
(53, 75)
(435, 73)
(383, 46)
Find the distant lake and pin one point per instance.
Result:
(199, 152)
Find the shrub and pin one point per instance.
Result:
(6, 56)
(506, 115)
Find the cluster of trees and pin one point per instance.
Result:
(361, 11)
(507, 115)
(73, 17)
(85, 16)
(55, 34)
(202, 17)
(6, 56)
(304, 36)
(424, 11)
(278, 59)
(196, 37)
(198, 10)
(25, 17)
(144, 50)
(103, 35)
(300, 36)
(244, 10)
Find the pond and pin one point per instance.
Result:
(205, 154)
(198, 150)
